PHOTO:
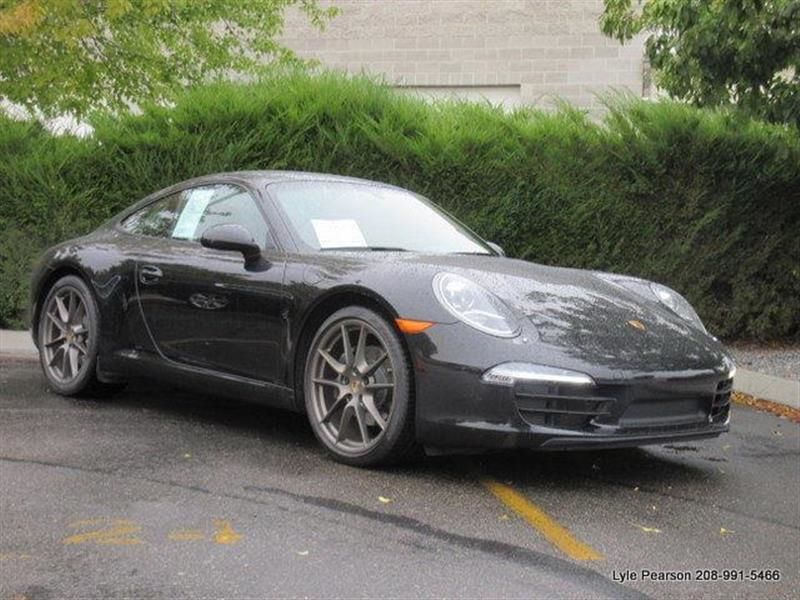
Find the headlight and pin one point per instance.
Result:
(676, 303)
(473, 305)
(666, 296)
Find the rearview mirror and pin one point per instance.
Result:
(498, 249)
(232, 237)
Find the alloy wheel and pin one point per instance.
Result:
(66, 335)
(351, 382)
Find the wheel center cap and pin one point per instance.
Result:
(356, 386)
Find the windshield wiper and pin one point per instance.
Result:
(365, 249)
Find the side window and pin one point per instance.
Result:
(156, 219)
(205, 207)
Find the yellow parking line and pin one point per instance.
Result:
(552, 530)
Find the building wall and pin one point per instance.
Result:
(510, 51)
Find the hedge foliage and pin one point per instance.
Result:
(704, 201)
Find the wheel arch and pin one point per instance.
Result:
(43, 288)
(324, 307)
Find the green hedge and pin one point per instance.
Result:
(703, 201)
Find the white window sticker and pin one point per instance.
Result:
(191, 214)
(338, 233)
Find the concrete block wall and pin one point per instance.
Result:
(543, 49)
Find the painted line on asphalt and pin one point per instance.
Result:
(552, 530)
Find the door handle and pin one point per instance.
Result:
(148, 274)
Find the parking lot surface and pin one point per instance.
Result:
(163, 493)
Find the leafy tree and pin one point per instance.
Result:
(72, 56)
(714, 52)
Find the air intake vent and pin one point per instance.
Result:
(721, 406)
(564, 412)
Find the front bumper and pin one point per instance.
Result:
(458, 411)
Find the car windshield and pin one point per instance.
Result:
(355, 216)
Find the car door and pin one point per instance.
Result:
(205, 307)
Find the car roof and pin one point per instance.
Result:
(261, 178)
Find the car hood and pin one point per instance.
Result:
(585, 316)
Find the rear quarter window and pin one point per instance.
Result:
(156, 219)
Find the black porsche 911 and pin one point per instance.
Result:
(390, 324)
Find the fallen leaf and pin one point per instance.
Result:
(504, 517)
(187, 455)
(726, 446)
(723, 531)
(302, 552)
(384, 499)
(648, 529)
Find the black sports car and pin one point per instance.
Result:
(390, 324)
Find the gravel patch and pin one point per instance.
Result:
(770, 360)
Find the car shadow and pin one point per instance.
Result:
(558, 470)
(246, 419)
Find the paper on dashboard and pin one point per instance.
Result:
(338, 233)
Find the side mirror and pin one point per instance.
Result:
(497, 249)
(232, 237)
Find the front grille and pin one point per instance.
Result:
(721, 405)
(639, 407)
(564, 412)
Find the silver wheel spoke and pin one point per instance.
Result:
(58, 323)
(360, 359)
(80, 314)
(72, 307)
(374, 366)
(334, 364)
(369, 404)
(54, 358)
(80, 347)
(348, 349)
(63, 312)
(347, 416)
(326, 417)
(55, 342)
(73, 360)
(64, 360)
(329, 382)
(362, 424)
(379, 386)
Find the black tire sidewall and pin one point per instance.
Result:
(402, 417)
(87, 378)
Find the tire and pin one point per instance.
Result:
(359, 400)
(68, 334)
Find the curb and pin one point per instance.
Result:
(767, 387)
(18, 344)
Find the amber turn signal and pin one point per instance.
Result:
(411, 326)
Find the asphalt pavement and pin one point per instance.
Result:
(161, 493)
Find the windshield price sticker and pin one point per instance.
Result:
(338, 233)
